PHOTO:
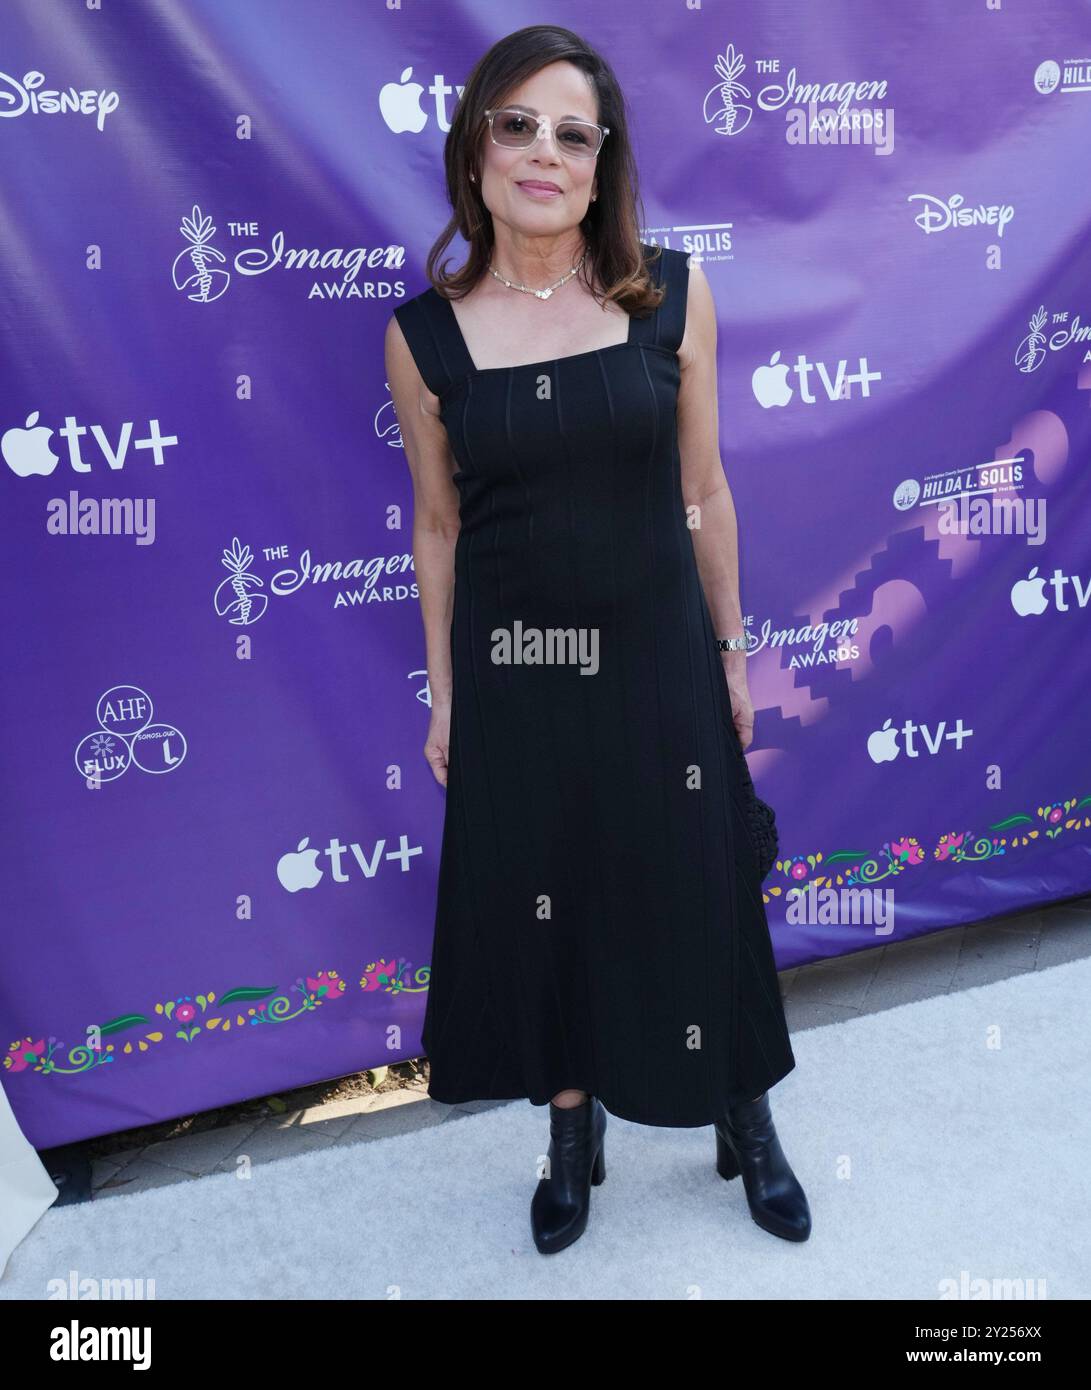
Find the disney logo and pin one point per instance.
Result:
(18, 97)
(937, 215)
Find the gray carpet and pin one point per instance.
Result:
(940, 1143)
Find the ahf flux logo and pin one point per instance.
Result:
(126, 737)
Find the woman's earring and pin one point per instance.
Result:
(472, 179)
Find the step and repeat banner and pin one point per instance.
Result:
(220, 840)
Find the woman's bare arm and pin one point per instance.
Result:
(435, 526)
(705, 491)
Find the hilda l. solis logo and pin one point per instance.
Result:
(1073, 75)
(126, 737)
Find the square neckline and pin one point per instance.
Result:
(545, 361)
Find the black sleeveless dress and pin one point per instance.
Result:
(599, 920)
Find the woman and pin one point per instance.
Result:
(600, 937)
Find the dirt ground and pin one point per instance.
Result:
(393, 1078)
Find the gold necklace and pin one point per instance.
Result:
(540, 294)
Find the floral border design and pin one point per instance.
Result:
(208, 1015)
(961, 847)
(193, 1016)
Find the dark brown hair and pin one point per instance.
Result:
(611, 226)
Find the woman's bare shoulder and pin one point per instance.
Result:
(700, 333)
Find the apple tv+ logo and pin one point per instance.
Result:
(882, 745)
(27, 451)
(299, 867)
(769, 383)
(400, 103)
(1028, 596)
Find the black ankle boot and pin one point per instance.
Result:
(577, 1161)
(747, 1142)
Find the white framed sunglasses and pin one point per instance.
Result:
(519, 130)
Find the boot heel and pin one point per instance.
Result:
(577, 1162)
(726, 1163)
(776, 1200)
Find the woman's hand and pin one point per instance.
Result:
(742, 708)
(438, 741)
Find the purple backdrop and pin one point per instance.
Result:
(200, 253)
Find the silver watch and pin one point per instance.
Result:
(731, 644)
